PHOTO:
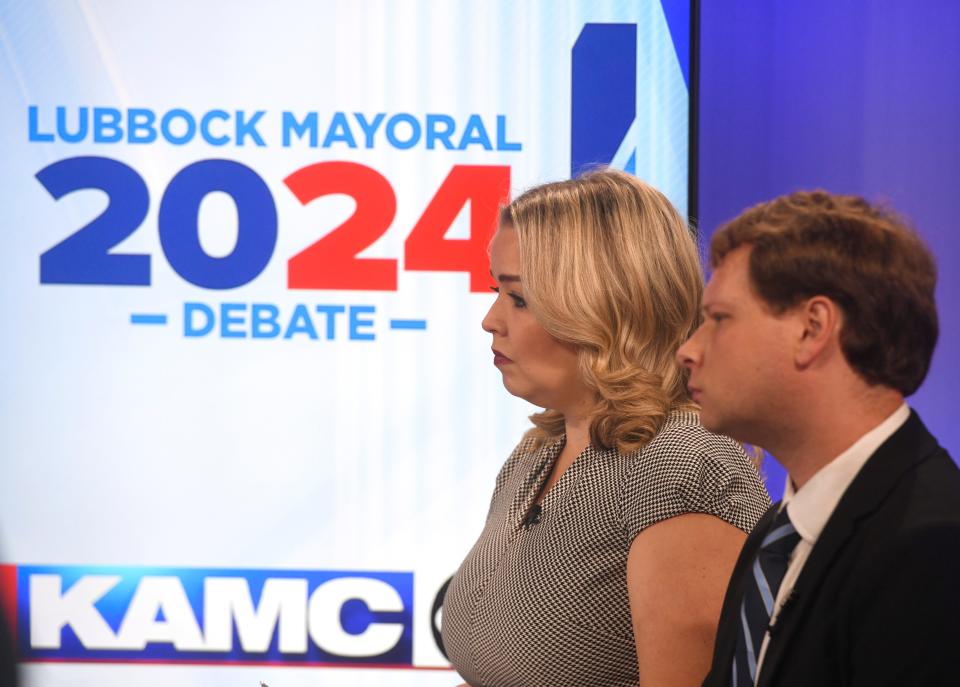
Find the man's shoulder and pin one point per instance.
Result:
(909, 480)
(927, 495)
(909, 553)
(909, 524)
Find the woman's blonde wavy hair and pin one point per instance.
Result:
(609, 266)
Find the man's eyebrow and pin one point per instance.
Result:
(712, 305)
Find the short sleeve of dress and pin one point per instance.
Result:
(686, 469)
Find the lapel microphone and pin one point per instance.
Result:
(533, 516)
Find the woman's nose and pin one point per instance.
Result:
(492, 323)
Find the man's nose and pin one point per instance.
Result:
(687, 354)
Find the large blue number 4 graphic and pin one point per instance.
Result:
(604, 93)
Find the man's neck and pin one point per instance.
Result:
(831, 427)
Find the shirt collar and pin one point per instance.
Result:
(812, 505)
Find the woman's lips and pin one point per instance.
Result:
(499, 358)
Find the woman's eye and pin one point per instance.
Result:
(518, 301)
(717, 317)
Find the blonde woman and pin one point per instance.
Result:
(615, 524)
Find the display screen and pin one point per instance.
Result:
(250, 421)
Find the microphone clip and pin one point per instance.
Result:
(533, 516)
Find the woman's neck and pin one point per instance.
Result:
(577, 428)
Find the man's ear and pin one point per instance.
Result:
(820, 319)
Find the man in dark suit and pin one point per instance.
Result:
(819, 320)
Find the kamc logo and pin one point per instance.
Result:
(190, 615)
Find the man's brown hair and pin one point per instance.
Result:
(864, 258)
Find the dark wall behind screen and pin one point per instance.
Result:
(850, 96)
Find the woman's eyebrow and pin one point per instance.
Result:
(505, 277)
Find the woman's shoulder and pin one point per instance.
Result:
(684, 440)
(687, 469)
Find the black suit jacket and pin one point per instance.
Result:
(878, 600)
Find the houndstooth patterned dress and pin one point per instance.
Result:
(547, 606)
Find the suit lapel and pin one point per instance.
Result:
(906, 447)
(730, 614)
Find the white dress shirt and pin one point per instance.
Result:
(811, 506)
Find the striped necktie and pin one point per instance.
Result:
(759, 594)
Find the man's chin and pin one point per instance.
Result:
(712, 421)
(708, 420)
(721, 425)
